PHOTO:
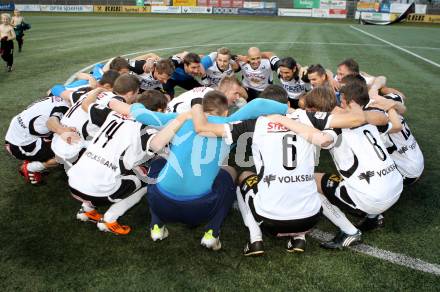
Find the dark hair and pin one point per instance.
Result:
(153, 100)
(351, 64)
(165, 66)
(321, 98)
(119, 63)
(353, 78)
(109, 77)
(316, 69)
(356, 91)
(290, 63)
(215, 102)
(126, 83)
(191, 58)
(275, 92)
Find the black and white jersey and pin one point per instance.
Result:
(370, 175)
(213, 73)
(146, 79)
(119, 145)
(183, 102)
(98, 111)
(77, 94)
(285, 164)
(295, 87)
(77, 118)
(31, 124)
(403, 148)
(258, 79)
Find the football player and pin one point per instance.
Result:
(218, 65)
(289, 75)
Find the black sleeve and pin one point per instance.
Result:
(318, 119)
(99, 114)
(146, 133)
(138, 67)
(239, 128)
(78, 93)
(274, 63)
(58, 112)
(394, 97)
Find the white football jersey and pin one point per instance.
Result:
(258, 79)
(405, 151)
(370, 175)
(213, 73)
(294, 87)
(119, 145)
(182, 103)
(29, 125)
(285, 164)
(77, 118)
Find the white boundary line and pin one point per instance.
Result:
(396, 46)
(395, 258)
(385, 255)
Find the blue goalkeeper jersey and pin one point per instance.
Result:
(195, 161)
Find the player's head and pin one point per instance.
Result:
(347, 67)
(6, 18)
(191, 63)
(275, 92)
(317, 75)
(254, 57)
(355, 91)
(223, 58)
(108, 79)
(163, 69)
(320, 98)
(288, 69)
(17, 12)
(120, 64)
(352, 78)
(127, 86)
(232, 89)
(153, 100)
(215, 102)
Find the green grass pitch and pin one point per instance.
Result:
(44, 248)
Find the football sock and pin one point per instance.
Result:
(35, 166)
(300, 236)
(87, 207)
(119, 208)
(335, 215)
(248, 219)
(372, 216)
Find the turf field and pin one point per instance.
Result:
(44, 248)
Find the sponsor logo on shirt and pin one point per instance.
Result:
(276, 127)
(288, 178)
(366, 176)
(100, 160)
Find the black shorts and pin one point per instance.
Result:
(272, 226)
(128, 186)
(408, 181)
(44, 154)
(330, 183)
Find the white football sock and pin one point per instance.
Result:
(248, 219)
(300, 236)
(335, 215)
(35, 166)
(372, 216)
(118, 209)
(87, 206)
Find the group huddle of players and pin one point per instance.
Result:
(121, 134)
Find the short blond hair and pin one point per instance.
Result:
(7, 15)
(224, 51)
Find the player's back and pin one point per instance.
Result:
(114, 151)
(368, 171)
(182, 103)
(285, 163)
(193, 163)
(31, 122)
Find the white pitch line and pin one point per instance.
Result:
(395, 258)
(396, 46)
